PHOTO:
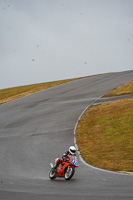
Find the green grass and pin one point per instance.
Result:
(127, 88)
(106, 140)
(105, 132)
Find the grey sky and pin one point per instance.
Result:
(47, 40)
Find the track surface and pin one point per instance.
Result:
(38, 128)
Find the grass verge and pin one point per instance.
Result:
(127, 88)
(106, 140)
(105, 132)
(105, 135)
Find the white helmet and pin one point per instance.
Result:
(72, 150)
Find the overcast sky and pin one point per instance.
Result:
(47, 40)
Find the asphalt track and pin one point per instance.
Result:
(40, 127)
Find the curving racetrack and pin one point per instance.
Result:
(38, 128)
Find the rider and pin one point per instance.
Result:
(71, 151)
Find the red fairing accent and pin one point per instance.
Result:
(58, 160)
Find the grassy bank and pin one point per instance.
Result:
(105, 133)
(17, 92)
(127, 88)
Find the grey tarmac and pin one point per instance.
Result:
(36, 129)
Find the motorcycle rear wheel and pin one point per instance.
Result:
(69, 173)
(52, 174)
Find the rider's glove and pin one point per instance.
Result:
(64, 158)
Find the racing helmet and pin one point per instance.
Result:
(72, 150)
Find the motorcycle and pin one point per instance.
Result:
(65, 169)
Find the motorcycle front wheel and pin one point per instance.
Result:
(69, 173)
(52, 174)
